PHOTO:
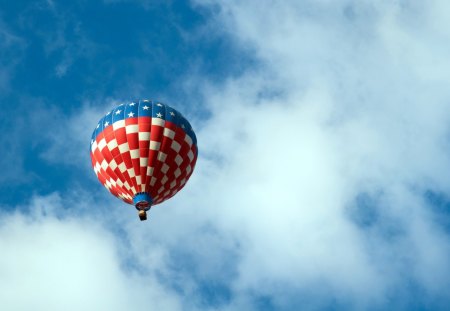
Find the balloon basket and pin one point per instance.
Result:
(142, 215)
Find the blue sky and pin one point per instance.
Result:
(322, 181)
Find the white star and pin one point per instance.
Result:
(145, 100)
(131, 114)
(98, 125)
(182, 126)
(159, 105)
(159, 115)
(108, 113)
(92, 141)
(118, 111)
(132, 104)
(172, 113)
(145, 107)
(106, 123)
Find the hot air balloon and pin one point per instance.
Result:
(143, 152)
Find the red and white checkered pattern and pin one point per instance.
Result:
(143, 154)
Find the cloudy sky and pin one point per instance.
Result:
(323, 177)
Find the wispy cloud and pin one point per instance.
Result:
(65, 42)
(12, 47)
(145, 4)
(69, 146)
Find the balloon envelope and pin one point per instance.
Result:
(143, 152)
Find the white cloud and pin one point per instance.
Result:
(54, 263)
(362, 107)
(349, 99)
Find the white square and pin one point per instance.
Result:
(150, 171)
(118, 124)
(143, 162)
(152, 181)
(145, 136)
(162, 156)
(188, 139)
(164, 179)
(112, 144)
(158, 122)
(132, 128)
(122, 167)
(124, 147)
(164, 168)
(102, 144)
(172, 184)
(134, 153)
(131, 173)
(178, 159)
(169, 133)
(190, 155)
(104, 165)
(175, 146)
(177, 172)
(94, 146)
(154, 145)
(188, 169)
(113, 164)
